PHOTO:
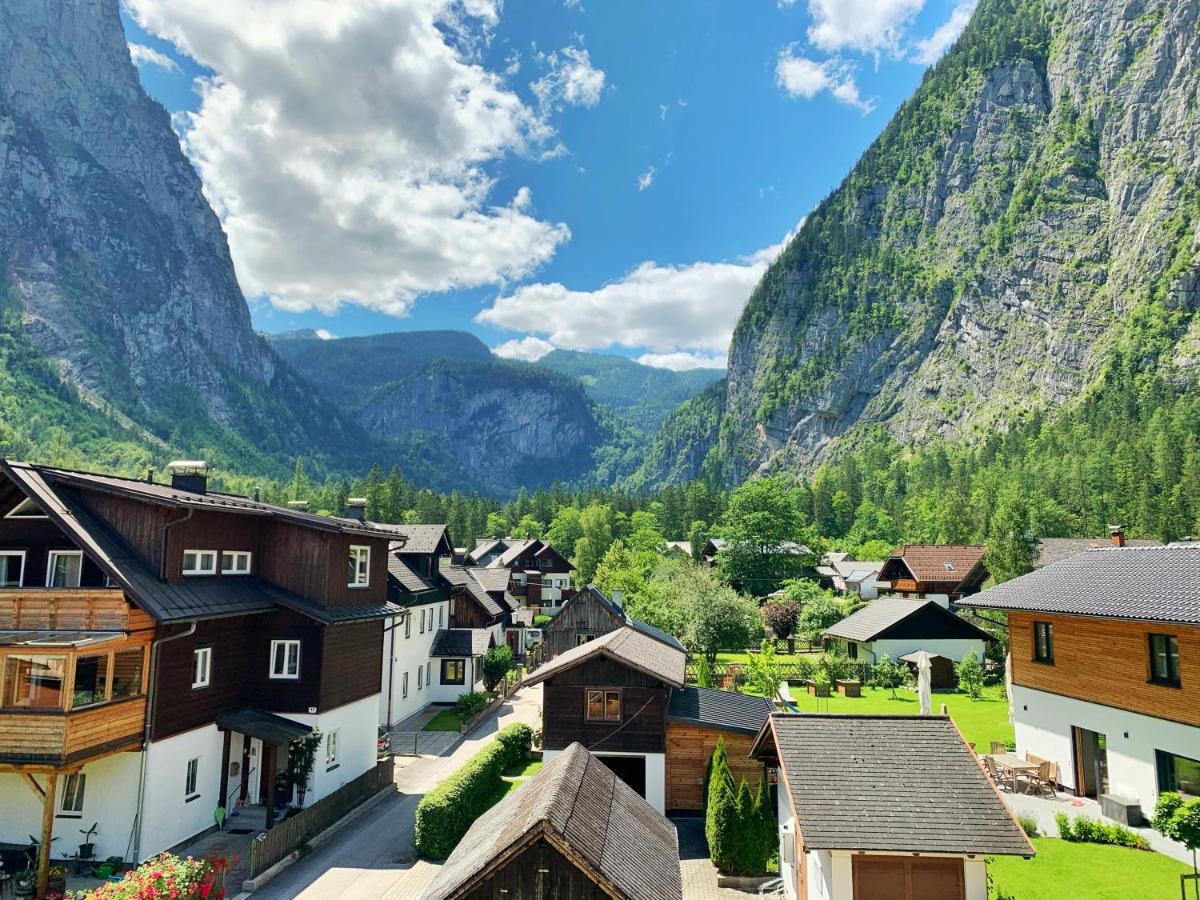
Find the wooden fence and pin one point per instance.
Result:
(296, 830)
(790, 672)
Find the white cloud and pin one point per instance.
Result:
(530, 349)
(662, 111)
(682, 362)
(646, 179)
(572, 80)
(930, 49)
(325, 334)
(872, 26)
(666, 310)
(804, 77)
(576, 5)
(148, 56)
(349, 147)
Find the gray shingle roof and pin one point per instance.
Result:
(1052, 550)
(890, 783)
(402, 573)
(466, 578)
(632, 648)
(578, 803)
(491, 579)
(461, 642)
(1156, 584)
(423, 539)
(720, 710)
(880, 615)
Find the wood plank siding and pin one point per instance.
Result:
(582, 615)
(689, 748)
(84, 609)
(1107, 661)
(540, 870)
(643, 709)
(350, 663)
(58, 738)
(37, 537)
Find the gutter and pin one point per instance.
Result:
(150, 698)
(162, 566)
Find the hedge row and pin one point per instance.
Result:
(1090, 831)
(740, 826)
(446, 813)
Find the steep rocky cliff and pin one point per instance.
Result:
(118, 264)
(1027, 217)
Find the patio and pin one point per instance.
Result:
(408, 738)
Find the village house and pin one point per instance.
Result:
(882, 807)
(539, 576)
(574, 830)
(162, 645)
(941, 572)
(842, 574)
(713, 547)
(1105, 667)
(588, 615)
(1053, 549)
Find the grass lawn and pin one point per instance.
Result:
(1095, 871)
(446, 720)
(981, 721)
(527, 768)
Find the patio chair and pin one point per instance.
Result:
(994, 772)
(1042, 779)
(999, 747)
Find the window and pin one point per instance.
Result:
(26, 509)
(63, 569)
(199, 562)
(70, 801)
(422, 621)
(1164, 659)
(12, 568)
(235, 562)
(408, 625)
(358, 567)
(91, 681)
(331, 742)
(190, 780)
(453, 671)
(404, 683)
(33, 681)
(285, 659)
(127, 673)
(583, 638)
(420, 672)
(201, 667)
(852, 650)
(1178, 773)
(604, 706)
(1043, 642)
(429, 672)
(441, 616)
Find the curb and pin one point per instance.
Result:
(250, 885)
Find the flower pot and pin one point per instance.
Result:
(87, 851)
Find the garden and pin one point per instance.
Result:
(1096, 871)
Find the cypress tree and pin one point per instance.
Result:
(765, 824)
(746, 841)
(717, 778)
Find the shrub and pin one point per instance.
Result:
(446, 812)
(739, 826)
(497, 663)
(1179, 821)
(806, 669)
(763, 671)
(703, 674)
(721, 823)
(781, 617)
(766, 827)
(166, 876)
(471, 703)
(889, 674)
(970, 675)
(835, 666)
(1085, 830)
(1029, 826)
(541, 621)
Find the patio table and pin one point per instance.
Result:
(1014, 764)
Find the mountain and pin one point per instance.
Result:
(120, 298)
(643, 394)
(1024, 225)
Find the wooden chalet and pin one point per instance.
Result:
(941, 572)
(589, 615)
(539, 576)
(161, 645)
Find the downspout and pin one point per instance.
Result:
(392, 665)
(162, 555)
(150, 697)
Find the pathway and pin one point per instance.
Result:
(407, 737)
(698, 872)
(372, 857)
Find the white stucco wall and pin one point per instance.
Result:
(656, 774)
(407, 653)
(449, 693)
(169, 817)
(787, 835)
(109, 799)
(356, 727)
(1043, 725)
(954, 649)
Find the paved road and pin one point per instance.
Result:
(372, 857)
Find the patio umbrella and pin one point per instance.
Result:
(924, 682)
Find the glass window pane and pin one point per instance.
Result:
(65, 569)
(10, 569)
(91, 676)
(595, 704)
(127, 673)
(33, 681)
(612, 705)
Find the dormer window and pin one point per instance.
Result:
(12, 568)
(64, 568)
(199, 562)
(235, 562)
(358, 572)
(26, 509)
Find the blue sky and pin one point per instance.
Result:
(619, 185)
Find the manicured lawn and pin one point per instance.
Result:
(446, 720)
(530, 767)
(1096, 871)
(981, 721)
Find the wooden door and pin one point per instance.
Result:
(908, 878)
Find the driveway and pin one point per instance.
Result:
(372, 857)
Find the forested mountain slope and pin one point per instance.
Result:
(1030, 212)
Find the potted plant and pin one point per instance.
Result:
(87, 849)
(302, 758)
(58, 880)
(23, 885)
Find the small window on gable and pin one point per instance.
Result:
(201, 667)
(235, 562)
(358, 567)
(199, 562)
(604, 706)
(26, 509)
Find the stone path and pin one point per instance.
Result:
(409, 740)
(699, 874)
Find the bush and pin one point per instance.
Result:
(970, 675)
(889, 674)
(471, 703)
(166, 876)
(703, 674)
(834, 666)
(781, 617)
(740, 827)
(497, 663)
(1178, 821)
(1028, 825)
(446, 812)
(805, 669)
(541, 621)
(1091, 831)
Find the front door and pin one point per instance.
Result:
(1091, 762)
(512, 637)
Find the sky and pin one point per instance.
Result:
(606, 175)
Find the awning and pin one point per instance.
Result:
(63, 639)
(265, 726)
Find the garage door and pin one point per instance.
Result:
(908, 878)
(630, 769)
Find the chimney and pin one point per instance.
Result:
(301, 505)
(189, 475)
(356, 508)
(257, 493)
(616, 597)
(1116, 534)
(150, 475)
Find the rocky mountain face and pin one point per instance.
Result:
(1028, 218)
(119, 265)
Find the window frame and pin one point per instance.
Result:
(51, 557)
(191, 780)
(202, 653)
(22, 555)
(604, 697)
(429, 671)
(1047, 628)
(238, 555)
(408, 625)
(361, 554)
(460, 664)
(201, 570)
(1172, 678)
(584, 637)
(78, 780)
(331, 740)
(284, 644)
(12, 513)
(404, 685)
(441, 616)
(1165, 772)
(420, 682)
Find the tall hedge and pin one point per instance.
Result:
(446, 813)
(740, 826)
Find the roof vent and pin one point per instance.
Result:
(189, 475)
(301, 505)
(356, 508)
(949, 566)
(1116, 534)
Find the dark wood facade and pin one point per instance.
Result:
(541, 870)
(583, 616)
(643, 709)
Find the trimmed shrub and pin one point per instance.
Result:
(766, 827)
(497, 663)
(446, 812)
(541, 621)
(703, 674)
(722, 823)
(471, 703)
(739, 826)
(1028, 825)
(1085, 830)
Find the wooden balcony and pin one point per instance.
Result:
(81, 609)
(51, 739)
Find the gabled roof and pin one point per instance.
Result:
(935, 562)
(1052, 550)
(461, 642)
(719, 710)
(514, 551)
(405, 576)
(466, 578)
(878, 617)
(490, 579)
(424, 539)
(788, 548)
(906, 784)
(1155, 584)
(628, 647)
(578, 805)
(593, 594)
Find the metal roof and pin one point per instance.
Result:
(878, 616)
(24, 638)
(263, 725)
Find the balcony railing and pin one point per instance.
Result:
(53, 737)
(83, 609)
